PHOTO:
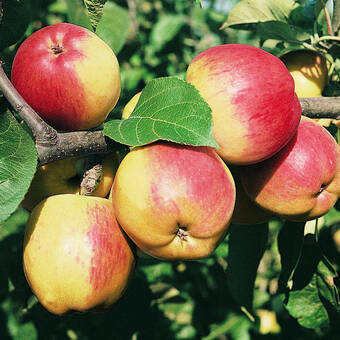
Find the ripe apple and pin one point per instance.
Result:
(309, 70)
(68, 75)
(246, 211)
(130, 106)
(76, 257)
(255, 111)
(62, 177)
(174, 201)
(302, 181)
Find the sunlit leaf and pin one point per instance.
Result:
(168, 109)
(18, 162)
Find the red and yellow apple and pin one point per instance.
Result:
(68, 75)
(174, 201)
(302, 181)
(255, 111)
(309, 70)
(76, 257)
(62, 177)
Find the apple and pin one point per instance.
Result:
(62, 177)
(309, 70)
(255, 111)
(310, 73)
(68, 75)
(246, 211)
(302, 181)
(130, 106)
(174, 201)
(76, 257)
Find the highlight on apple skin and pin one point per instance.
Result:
(68, 75)
(302, 181)
(174, 201)
(251, 94)
(76, 257)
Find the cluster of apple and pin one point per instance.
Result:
(174, 202)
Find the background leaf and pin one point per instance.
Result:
(18, 162)
(254, 11)
(168, 109)
(290, 243)
(247, 244)
(165, 29)
(113, 26)
(95, 11)
(12, 29)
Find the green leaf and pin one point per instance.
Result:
(18, 162)
(165, 30)
(305, 305)
(168, 109)
(247, 244)
(1, 11)
(95, 11)
(14, 21)
(77, 14)
(290, 242)
(280, 31)
(326, 285)
(255, 11)
(114, 25)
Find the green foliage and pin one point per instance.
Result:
(282, 267)
(95, 11)
(17, 164)
(12, 29)
(168, 109)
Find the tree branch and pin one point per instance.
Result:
(321, 107)
(52, 145)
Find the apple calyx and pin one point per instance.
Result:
(57, 49)
(182, 233)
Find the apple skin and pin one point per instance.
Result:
(61, 177)
(302, 181)
(246, 211)
(174, 201)
(309, 70)
(68, 75)
(76, 257)
(255, 111)
(130, 106)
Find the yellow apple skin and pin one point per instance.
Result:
(302, 181)
(60, 177)
(68, 75)
(246, 211)
(174, 201)
(76, 257)
(130, 106)
(254, 108)
(309, 70)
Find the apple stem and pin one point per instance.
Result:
(91, 180)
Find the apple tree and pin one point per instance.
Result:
(277, 277)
